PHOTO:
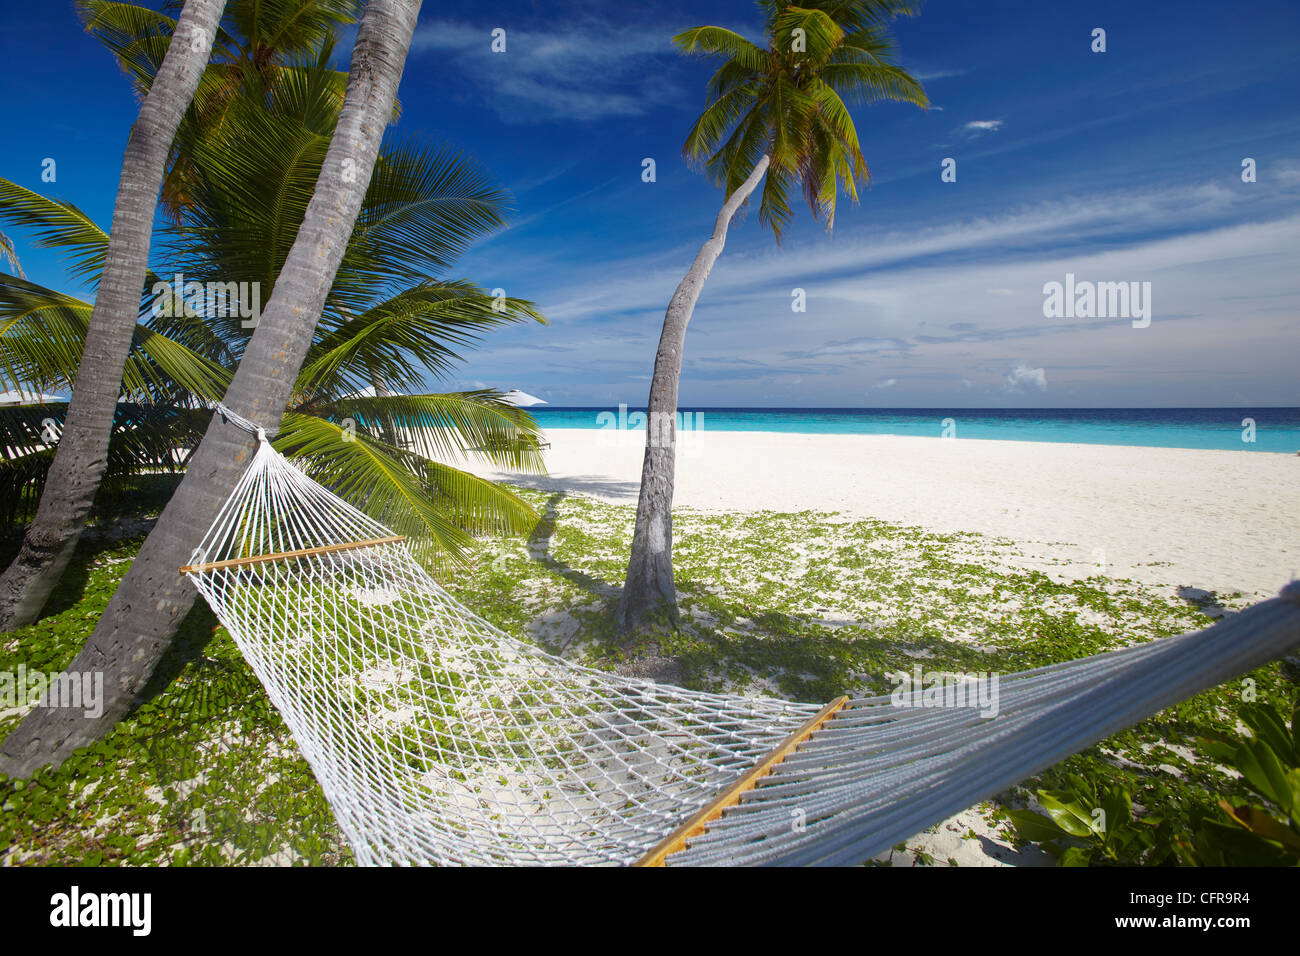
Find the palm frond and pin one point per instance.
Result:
(42, 333)
(435, 508)
(137, 36)
(718, 121)
(865, 83)
(478, 505)
(145, 439)
(729, 76)
(10, 255)
(820, 34)
(424, 207)
(774, 210)
(853, 15)
(57, 225)
(720, 42)
(399, 340)
(289, 26)
(450, 425)
(732, 163)
(28, 452)
(249, 200)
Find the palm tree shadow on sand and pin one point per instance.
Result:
(791, 649)
(647, 661)
(539, 550)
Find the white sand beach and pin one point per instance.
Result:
(1220, 521)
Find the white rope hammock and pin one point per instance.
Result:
(437, 738)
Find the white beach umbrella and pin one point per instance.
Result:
(522, 399)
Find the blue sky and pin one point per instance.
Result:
(1115, 166)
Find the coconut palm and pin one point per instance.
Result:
(144, 613)
(254, 47)
(82, 454)
(258, 37)
(777, 111)
(389, 316)
(269, 59)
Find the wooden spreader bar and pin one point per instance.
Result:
(286, 555)
(700, 821)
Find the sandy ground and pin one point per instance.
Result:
(1222, 521)
(1182, 519)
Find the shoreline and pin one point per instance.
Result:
(1198, 519)
(640, 440)
(1277, 429)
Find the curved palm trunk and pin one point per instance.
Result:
(143, 616)
(649, 586)
(82, 453)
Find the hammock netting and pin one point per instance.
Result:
(438, 738)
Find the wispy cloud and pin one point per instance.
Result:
(588, 71)
(862, 346)
(929, 76)
(980, 127)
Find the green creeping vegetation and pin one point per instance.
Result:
(202, 772)
(804, 606)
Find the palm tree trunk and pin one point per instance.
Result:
(147, 608)
(82, 454)
(649, 586)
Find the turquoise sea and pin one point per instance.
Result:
(1230, 429)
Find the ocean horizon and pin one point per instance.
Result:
(1259, 429)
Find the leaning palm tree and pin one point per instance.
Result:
(144, 613)
(249, 47)
(777, 111)
(82, 453)
(252, 48)
(391, 316)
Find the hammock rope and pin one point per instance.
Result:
(438, 738)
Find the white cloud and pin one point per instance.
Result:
(588, 71)
(980, 127)
(1022, 376)
(887, 383)
(1287, 173)
(861, 346)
